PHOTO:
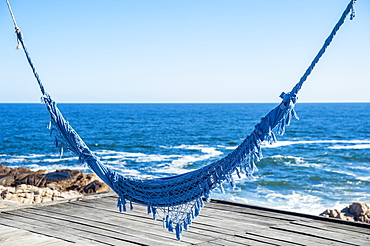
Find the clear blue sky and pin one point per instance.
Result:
(184, 51)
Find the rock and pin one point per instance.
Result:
(363, 218)
(37, 199)
(54, 186)
(46, 199)
(334, 213)
(7, 196)
(94, 187)
(23, 186)
(357, 211)
(15, 176)
(27, 201)
(359, 208)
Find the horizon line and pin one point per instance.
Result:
(172, 102)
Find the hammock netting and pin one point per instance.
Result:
(177, 200)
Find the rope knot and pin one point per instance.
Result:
(288, 99)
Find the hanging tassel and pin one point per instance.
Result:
(170, 225)
(186, 225)
(167, 222)
(154, 210)
(121, 204)
(178, 231)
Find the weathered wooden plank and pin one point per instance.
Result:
(264, 239)
(31, 226)
(362, 233)
(239, 209)
(239, 217)
(226, 242)
(276, 237)
(133, 221)
(290, 237)
(29, 238)
(215, 226)
(109, 204)
(157, 230)
(68, 232)
(208, 226)
(231, 222)
(105, 223)
(292, 216)
(342, 228)
(92, 230)
(97, 222)
(12, 236)
(195, 230)
(323, 235)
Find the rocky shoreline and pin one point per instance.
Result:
(21, 186)
(357, 211)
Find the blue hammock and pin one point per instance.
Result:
(178, 199)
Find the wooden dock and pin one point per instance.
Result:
(94, 220)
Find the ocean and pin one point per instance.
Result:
(321, 162)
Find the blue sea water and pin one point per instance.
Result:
(321, 162)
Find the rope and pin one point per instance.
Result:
(20, 40)
(11, 13)
(350, 8)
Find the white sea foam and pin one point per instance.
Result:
(231, 147)
(293, 201)
(364, 178)
(139, 157)
(359, 143)
(355, 146)
(127, 172)
(62, 159)
(14, 160)
(177, 165)
(297, 202)
(340, 172)
(295, 161)
(54, 167)
(205, 149)
(295, 158)
(356, 176)
(361, 168)
(171, 163)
